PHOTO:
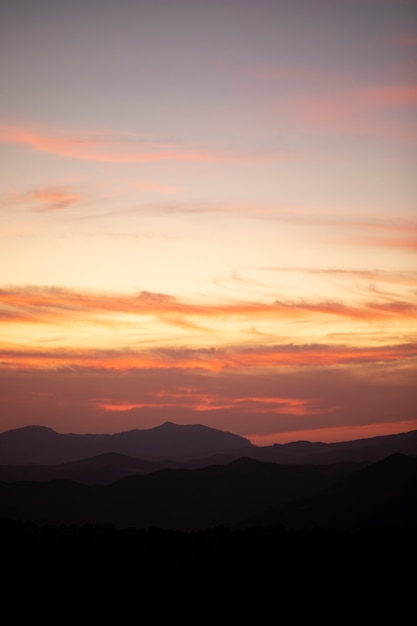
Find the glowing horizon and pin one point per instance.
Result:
(208, 214)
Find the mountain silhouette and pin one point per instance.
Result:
(170, 444)
(367, 450)
(170, 498)
(102, 469)
(380, 494)
(239, 494)
(43, 446)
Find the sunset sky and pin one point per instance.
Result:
(208, 214)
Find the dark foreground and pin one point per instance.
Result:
(246, 568)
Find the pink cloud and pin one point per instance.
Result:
(44, 198)
(324, 401)
(109, 148)
(150, 185)
(52, 199)
(404, 41)
(358, 110)
(210, 402)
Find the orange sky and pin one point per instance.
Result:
(208, 215)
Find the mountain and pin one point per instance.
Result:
(380, 494)
(102, 469)
(171, 444)
(108, 467)
(38, 445)
(367, 450)
(171, 498)
(239, 494)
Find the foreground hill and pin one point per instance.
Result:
(243, 493)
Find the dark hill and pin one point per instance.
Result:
(296, 496)
(171, 498)
(357, 451)
(37, 445)
(102, 469)
(380, 494)
(194, 445)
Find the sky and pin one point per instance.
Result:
(208, 214)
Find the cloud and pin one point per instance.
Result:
(210, 402)
(265, 404)
(60, 306)
(44, 199)
(150, 185)
(51, 199)
(249, 358)
(399, 233)
(387, 242)
(385, 276)
(110, 148)
(404, 41)
(360, 110)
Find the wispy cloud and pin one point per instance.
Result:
(385, 276)
(208, 359)
(57, 305)
(366, 231)
(404, 41)
(44, 199)
(112, 148)
(152, 186)
(51, 199)
(262, 390)
(197, 401)
(360, 110)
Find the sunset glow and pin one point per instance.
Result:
(209, 215)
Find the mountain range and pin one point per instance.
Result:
(239, 494)
(173, 445)
(190, 478)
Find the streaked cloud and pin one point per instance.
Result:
(47, 304)
(404, 41)
(150, 185)
(207, 359)
(359, 110)
(268, 405)
(384, 276)
(113, 148)
(44, 199)
(50, 199)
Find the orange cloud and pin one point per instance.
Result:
(262, 401)
(206, 359)
(57, 306)
(112, 149)
(387, 242)
(209, 402)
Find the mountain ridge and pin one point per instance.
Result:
(171, 443)
(44, 446)
(244, 493)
